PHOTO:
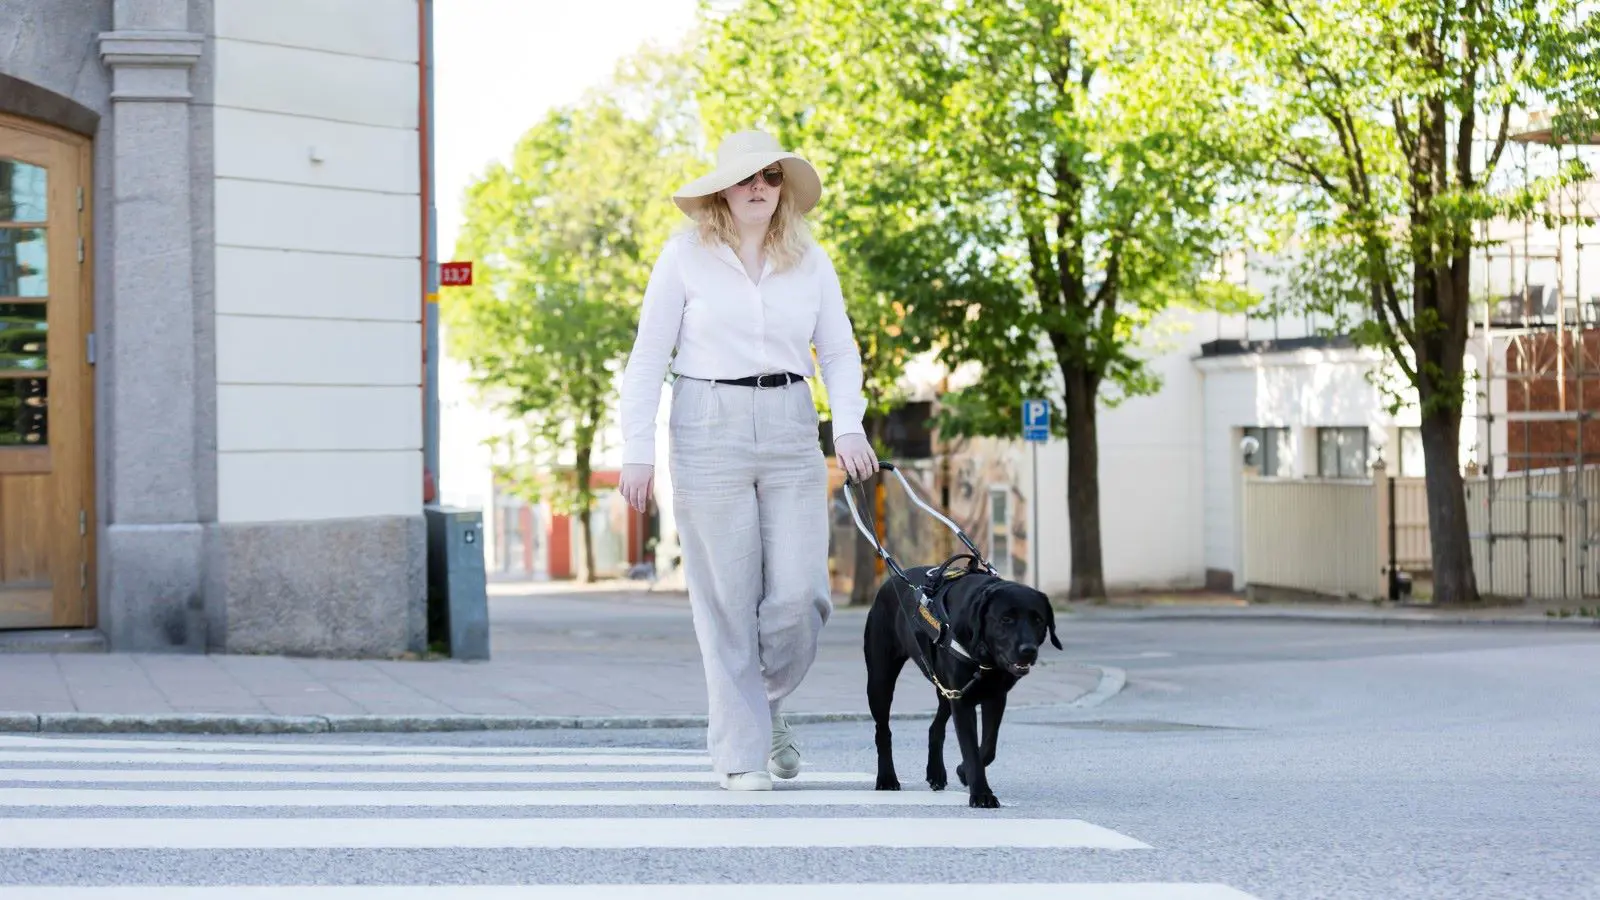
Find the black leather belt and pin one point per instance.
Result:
(781, 379)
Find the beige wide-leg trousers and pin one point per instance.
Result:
(750, 494)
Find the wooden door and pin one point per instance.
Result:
(46, 405)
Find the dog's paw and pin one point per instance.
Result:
(937, 778)
(888, 783)
(961, 773)
(984, 800)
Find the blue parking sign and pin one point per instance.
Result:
(1035, 420)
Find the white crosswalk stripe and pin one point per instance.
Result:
(388, 759)
(104, 798)
(84, 795)
(405, 776)
(1082, 891)
(22, 742)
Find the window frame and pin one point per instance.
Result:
(1276, 455)
(1000, 529)
(1340, 456)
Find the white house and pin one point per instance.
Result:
(213, 437)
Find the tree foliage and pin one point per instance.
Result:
(1022, 186)
(1379, 126)
(564, 236)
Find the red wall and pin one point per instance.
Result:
(563, 560)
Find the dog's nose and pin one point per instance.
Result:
(1028, 652)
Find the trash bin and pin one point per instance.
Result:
(458, 601)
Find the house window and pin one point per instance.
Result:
(1411, 465)
(1342, 452)
(1272, 454)
(1000, 530)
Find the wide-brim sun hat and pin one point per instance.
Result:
(742, 154)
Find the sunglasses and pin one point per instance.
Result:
(773, 177)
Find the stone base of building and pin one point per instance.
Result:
(153, 599)
(341, 587)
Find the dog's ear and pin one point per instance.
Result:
(1050, 619)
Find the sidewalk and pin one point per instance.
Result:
(596, 658)
(1196, 606)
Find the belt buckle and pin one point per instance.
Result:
(761, 384)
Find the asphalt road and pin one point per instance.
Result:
(1269, 760)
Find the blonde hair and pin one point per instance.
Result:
(788, 235)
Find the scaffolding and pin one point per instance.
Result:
(1531, 509)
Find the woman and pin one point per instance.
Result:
(741, 297)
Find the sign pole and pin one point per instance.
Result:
(1035, 430)
(1033, 534)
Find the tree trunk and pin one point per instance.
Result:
(585, 510)
(1454, 582)
(1439, 388)
(864, 580)
(1083, 486)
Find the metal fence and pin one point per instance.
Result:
(1534, 534)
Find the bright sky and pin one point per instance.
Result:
(501, 64)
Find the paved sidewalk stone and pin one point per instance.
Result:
(558, 657)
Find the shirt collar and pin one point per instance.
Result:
(726, 254)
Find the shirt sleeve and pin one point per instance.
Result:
(660, 317)
(838, 354)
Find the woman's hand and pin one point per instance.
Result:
(855, 455)
(635, 484)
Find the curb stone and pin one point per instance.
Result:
(177, 723)
(1111, 682)
(1335, 618)
(10, 721)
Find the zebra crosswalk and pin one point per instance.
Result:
(77, 796)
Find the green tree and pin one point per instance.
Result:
(1027, 185)
(1380, 125)
(564, 236)
(737, 93)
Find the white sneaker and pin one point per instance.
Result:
(785, 759)
(747, 781)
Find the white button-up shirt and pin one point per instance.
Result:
(701, 302)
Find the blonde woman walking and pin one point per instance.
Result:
(742, 297)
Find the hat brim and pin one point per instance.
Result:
(800, 179)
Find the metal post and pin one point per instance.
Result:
(430, 269)
(1489, 417)
(1394, 555)
(1581, 479)
(1529, 364)
(1563, 486)
(1033, 533)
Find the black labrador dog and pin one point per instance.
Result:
(1000, 623)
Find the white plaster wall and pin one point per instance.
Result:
(1301, 391)
(319, 282)
(466, 472)
(1151, 475)
(1049, 542)
(1151, 468)
(1230, 402)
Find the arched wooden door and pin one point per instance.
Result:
(46, 399)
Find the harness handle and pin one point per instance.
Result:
(930, 615)
(850, 500)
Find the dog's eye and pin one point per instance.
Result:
(1007, 619)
